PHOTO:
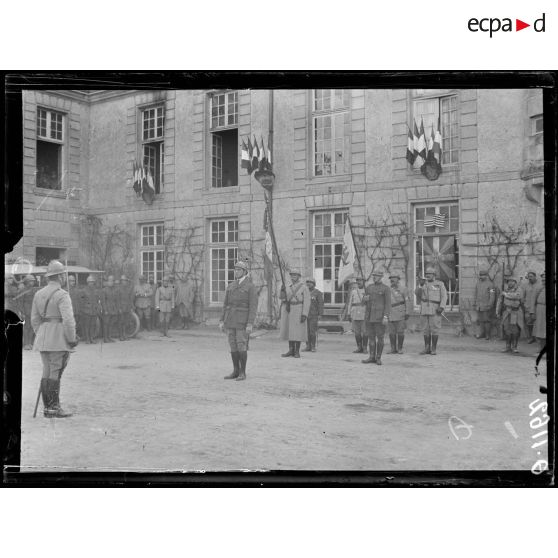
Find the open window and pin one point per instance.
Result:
(224, 139)
(50, 144)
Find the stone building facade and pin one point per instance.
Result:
(335, 153)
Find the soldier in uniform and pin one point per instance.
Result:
(110, 308)
(126, 305)
(25, 303)
(356, 311)
(432, 297)
(314, 314)
(401, 309)
(530, 291)
(164, 303)
(90, 308)
(52, 319)
(485, 297)
(185, 302)
(294, 313)
(510, 312)
(239, 313)
(142, 302)
(378, 308)
(539, 330)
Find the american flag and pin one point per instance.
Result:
(436, 220)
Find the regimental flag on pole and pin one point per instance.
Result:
(416, 143)
(245, 162)
(410, 147)
(348, 255)
(437, 145)
(421, 145)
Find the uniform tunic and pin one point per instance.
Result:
(291, 329)
(239, 310)
(90, 302)
(315, 311)
(142, 296)
(357, 310)
(509, 309)
(109, 301)
(125, 298)
(432, 297)
(185, 299)
(485, 297)
(164, 299)
(377, 306)
(540, 314)
(401, 306)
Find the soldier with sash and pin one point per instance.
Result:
(509, 310)
(356, 311)
(294, 313)
(401, 309)
(433, 297)
(239, 313)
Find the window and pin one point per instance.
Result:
(536, 145)
(436, 233)
(152, 253)
(43, 255)
(223, 238)
(331, 136)
(224, 139)
(50, 144)
(153, 144)
(327, 244)
(439, 113)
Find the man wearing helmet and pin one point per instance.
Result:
(378, 307)
(53, 321)
(432, 297)
(239, 313)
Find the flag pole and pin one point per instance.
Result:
(274, 241)
(356, 249)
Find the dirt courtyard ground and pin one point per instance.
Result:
(154, 403)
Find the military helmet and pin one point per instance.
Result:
(54, 268)
(431, 270)
(311, 280)
(91, 279)
(394, 275)
(242, 265)
(29, 278)
(378, 272)
(295, 272)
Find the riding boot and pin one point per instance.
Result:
(426, 345)
(242, 357)
(400, 340)
(359, 344)
(313, 343)
(297, 349)
(364, 343)
(379, 349)
(55, 410)
(372, 349)
(236, 366)
(434, 343)
(45, 394)
(393, 343)
(291, 351)
(508, 345)
(514, 340)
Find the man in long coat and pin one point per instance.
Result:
(378, 307)
(239, 313)
(294, 313)
(530, 289)
(90, 308)
(433, 297)
(401, 309)
(509, 310)
(485, 297)
(356, 311)
(52, 319)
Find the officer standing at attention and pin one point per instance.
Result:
(110, 308)
(530, 291)
(142, 301)
(378, 308)
(401, 309)
(52, 318)
(239, 313)
(294, 313)
(314, 314)
(485, 297)
(164, 303)
(90, 307)
(356, 311)
(510, 311)
(432, 297)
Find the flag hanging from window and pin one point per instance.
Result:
(437, 220)
(348, 254)
(137, 179)
(422, 148)
(255, 155)
(245, 161)
(148, 189)
(410, 147)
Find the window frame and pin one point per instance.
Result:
(156, 142)
(154, 248)
(334, 240)
(228, 242)
(226, 114)
(425, 95)
(332, 112)
(60, 144)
